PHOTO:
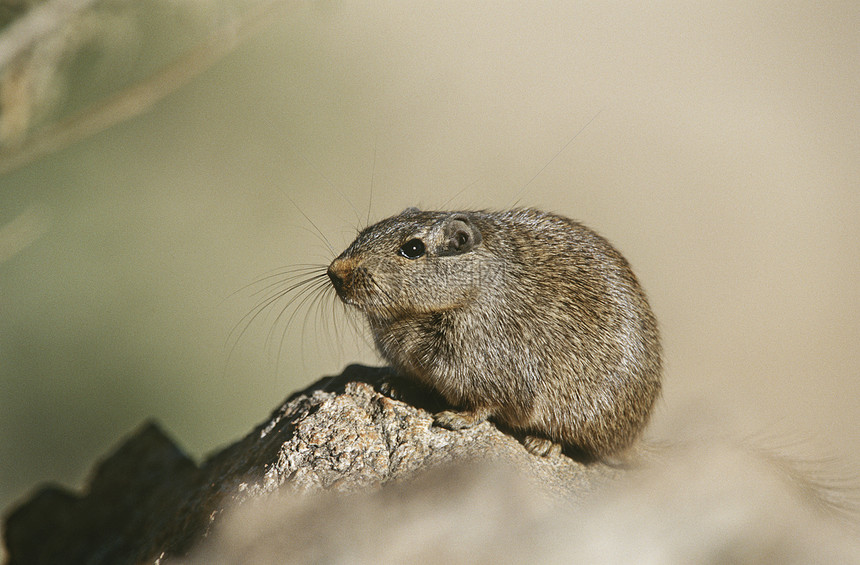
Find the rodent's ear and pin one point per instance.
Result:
(460, 234)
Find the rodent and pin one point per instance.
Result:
(525, 317)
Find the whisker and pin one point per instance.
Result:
(318, 235)
(333, 307)
(314, 306)
(280, 271)
(322, 175)
(372, 176)
(288, 281)
(548, 163)
(318, 232)
(462, 190)
(306, 294)
(265, 303)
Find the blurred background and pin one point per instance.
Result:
(159, 156)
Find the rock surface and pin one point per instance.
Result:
(148, 501)
(711, 504)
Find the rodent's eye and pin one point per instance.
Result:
(412, 249)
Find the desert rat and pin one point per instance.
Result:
(522, 316)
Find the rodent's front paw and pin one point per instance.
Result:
(459, 420)
(541, 446)
(400, 389)
(390, 390)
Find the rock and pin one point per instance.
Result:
(136, 501)
(711, 504)
(343, 472)
(148, 501)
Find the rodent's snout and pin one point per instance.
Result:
(336, 277)
(339, 273)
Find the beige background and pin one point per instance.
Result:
(722, 157)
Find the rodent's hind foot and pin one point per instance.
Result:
(454, 420)
(541, 446)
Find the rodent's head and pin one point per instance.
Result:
(415, 262)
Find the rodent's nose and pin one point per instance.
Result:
(336, 279)
(338, 272)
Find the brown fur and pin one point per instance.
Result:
(522, 316)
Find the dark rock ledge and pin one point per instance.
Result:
(148, 501)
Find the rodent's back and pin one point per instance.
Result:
(535, 320)
(599, 384)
